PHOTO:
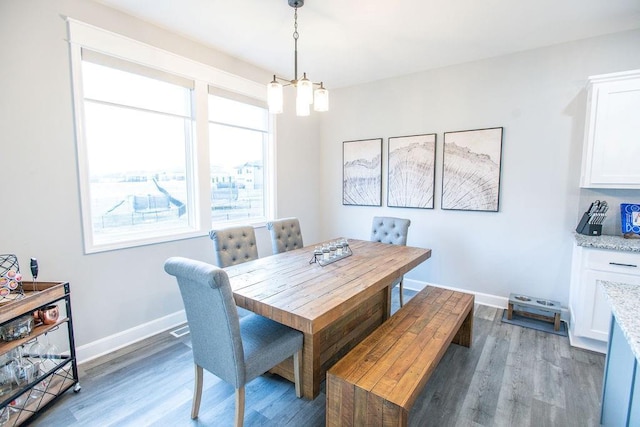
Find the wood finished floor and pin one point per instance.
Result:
(511, 376)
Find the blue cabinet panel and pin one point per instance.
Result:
(620, 383)
(634, 411)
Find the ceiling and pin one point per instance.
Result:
(347, 43)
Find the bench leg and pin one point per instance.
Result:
(510, 311)
(464, 335)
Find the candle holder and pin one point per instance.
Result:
(331, 252)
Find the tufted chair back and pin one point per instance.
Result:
(212, 317)
(285, 234)
(234, 245)
(388, 229)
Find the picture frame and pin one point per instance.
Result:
(362, 172)
(630, 218)
(411, 171)
(472, 161)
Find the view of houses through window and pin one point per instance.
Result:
(238, 134)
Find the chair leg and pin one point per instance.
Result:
(239, 406)
(400, 289)
(296, 372)
(197, 392)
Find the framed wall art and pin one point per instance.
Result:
(362, 172)
(471, 169)
(411, 171)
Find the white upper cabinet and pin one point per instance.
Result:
(611, 156)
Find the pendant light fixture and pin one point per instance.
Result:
(305, 95)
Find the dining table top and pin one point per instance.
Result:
(291, 289)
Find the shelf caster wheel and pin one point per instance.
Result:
(77, 388)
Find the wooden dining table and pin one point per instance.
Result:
(335, 306)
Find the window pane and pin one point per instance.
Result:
(223, 110)
(137, 163)
(121, 87)
(237, 173)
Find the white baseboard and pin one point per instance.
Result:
(482, 299)
(587, 343)
(122, 339)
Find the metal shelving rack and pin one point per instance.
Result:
(62, 373)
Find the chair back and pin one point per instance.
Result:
(234, 245)
(285, 235)
(212, 318)
(387, 229)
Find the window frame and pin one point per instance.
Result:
(85, 36)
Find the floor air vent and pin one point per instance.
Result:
(181, 331)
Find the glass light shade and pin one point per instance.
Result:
(275, 97)
(321, 99)
(302, 106)
(305, 89)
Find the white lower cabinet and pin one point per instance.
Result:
(590, 312)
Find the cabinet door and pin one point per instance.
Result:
(595, 314)
(613, 126)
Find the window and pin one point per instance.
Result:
(138, 131)
(167, 147)
(238, 139)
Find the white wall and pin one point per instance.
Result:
(539, 98)
(119, 295)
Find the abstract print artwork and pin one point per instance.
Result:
(411, 171)
(471, 169)
(362, 172)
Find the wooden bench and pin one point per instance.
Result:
(378, 381)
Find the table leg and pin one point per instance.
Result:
(322, 349)
(311, 367)
(310, 377)
(387, 310)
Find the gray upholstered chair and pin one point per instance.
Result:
(391, 230)
(236, 350)
(234, 245)
(285, 234)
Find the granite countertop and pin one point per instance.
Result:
(625, 304)
(616, 243)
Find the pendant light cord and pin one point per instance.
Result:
(295, 43)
